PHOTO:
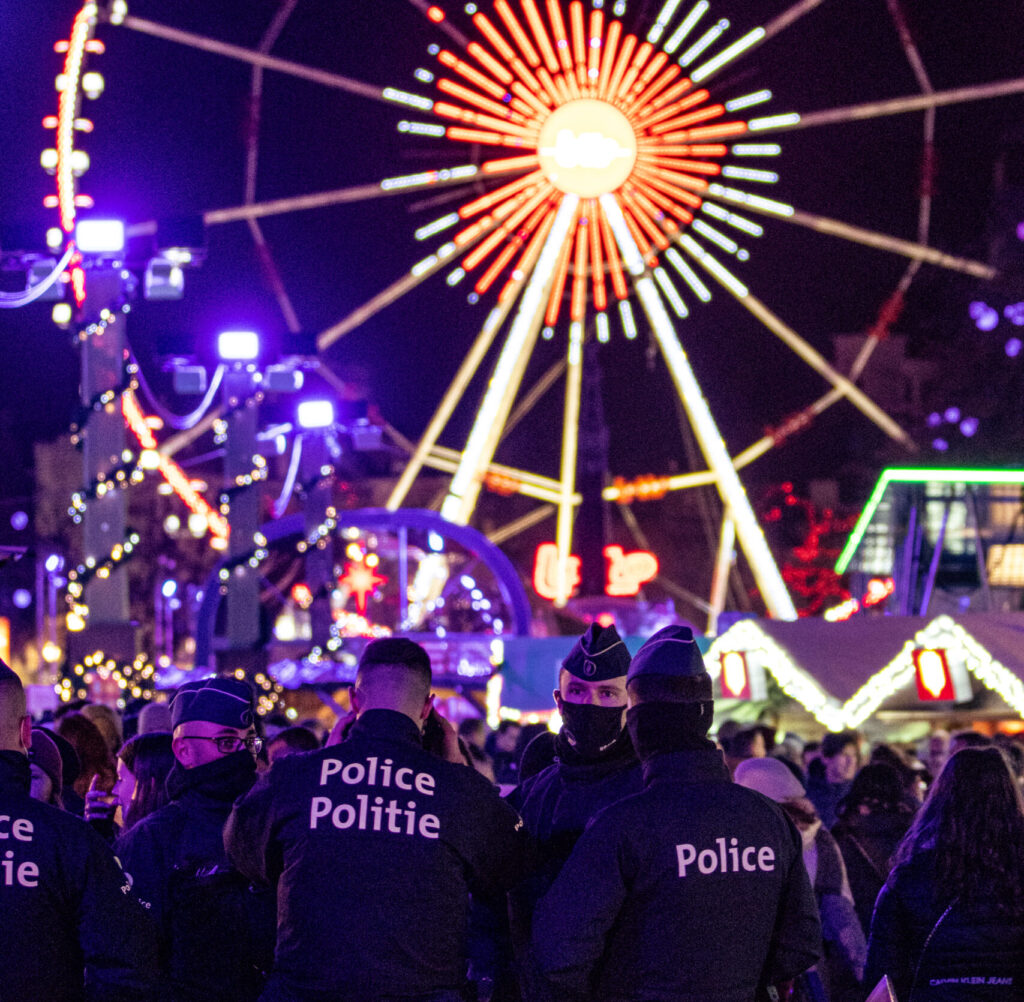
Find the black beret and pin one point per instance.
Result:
(227, 701)
(671, 651)
(600, 654)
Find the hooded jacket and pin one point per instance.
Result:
(65, 906)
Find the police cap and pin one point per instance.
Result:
(598, 655)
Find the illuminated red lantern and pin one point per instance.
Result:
(935, 682)
(735, 676)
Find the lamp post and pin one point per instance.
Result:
(316, 418)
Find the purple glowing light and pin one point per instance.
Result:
(934, 419)
(238, 346)
(984, 316)
(316, 414)
(1015, 314)
(940, 444)
(952, 414)
(969, 426)
(1020, 231)
(1013, 347)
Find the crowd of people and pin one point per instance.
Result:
(198, 852)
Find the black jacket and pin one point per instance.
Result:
(692, 890)
(973, 954)
(216, 930)
(556, 805)
(70, 930)
(375, 845)
(867, 842)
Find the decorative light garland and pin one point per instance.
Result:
(127, 474)
(942, 632)
(92, 568)
(268, 690)
(135, 679)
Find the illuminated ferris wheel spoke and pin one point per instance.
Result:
(525, 522)
(255, 58)
(567, 471)
(846, 231)
(795, 342)
(894, 106)
(734, 496)
(508, 372)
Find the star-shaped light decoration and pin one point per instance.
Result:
(362, 581)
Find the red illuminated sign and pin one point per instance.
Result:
(934, 679)
(735, 677)
(626, 572)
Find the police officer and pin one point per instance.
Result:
(595, 765)
(694, 888)
(375, 844)
(69, 926)
(216, 931)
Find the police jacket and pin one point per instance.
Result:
(70, 930)
(939, 950)
(693, 890)
(374, 844)
(556, 805)
(215, 930)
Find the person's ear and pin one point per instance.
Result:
(181, 750)
(26, 731)
(558, 699)
(428, 705)
(354, 700)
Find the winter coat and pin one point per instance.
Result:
(974, 954)
(375, 845)
(692, 890)
(557, 805)
(216, 930)
(70, 929)
(867, 842)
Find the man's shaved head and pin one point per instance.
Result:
(393, 674)
(15, 725)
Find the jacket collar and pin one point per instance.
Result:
(703, 766)
(387, 724)
(15, 773)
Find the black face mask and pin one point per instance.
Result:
(590, 730)
(657, 728)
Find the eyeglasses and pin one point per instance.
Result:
(229, 743)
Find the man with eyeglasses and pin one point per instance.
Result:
(216, 931)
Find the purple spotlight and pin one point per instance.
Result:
(22, 598)
(238, 346)
(54, 563)
(969, 426)
(1015, 314)
(987, 319)
(940, 444)
(316, 414)
(952, 414)
(1013, 347)
(934, 419)
(19, 521)
(1020, 231)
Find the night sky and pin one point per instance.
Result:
(169, 140)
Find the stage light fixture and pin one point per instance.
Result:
(238, 346)
(100, 236)
(315, 414)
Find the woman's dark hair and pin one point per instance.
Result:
(93, 751)
(149, 759)
(878, 787)
(973, 819)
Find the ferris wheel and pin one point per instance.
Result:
(607, 170)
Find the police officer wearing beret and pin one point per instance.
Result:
(216, 931)
(375, 845)
(595, 765)
(70, 929)
(694, 889)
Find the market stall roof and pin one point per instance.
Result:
(843, 672)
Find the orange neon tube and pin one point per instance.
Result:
(594, 49)
(596, 259)
(500, 194)
(625, 54)
(515, 29)
(578, 303)
(693, 118)
(559, 34)
(518, 238)
(540, 33)
(614, 262)
(646, 99)
(637, 64)
(642, 242)
(674, 190)
(508, 164)
(579, 39)
(644, 221)
(457, 90)
(531, 250)
(485, 59)
(664, 202)
(550, 87)
(684, 182)
(561, 273)
(472, 74)
(509, 226)
(714, 131)
(494, 37)
(608, 58)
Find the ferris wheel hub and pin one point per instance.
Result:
(587, 148)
